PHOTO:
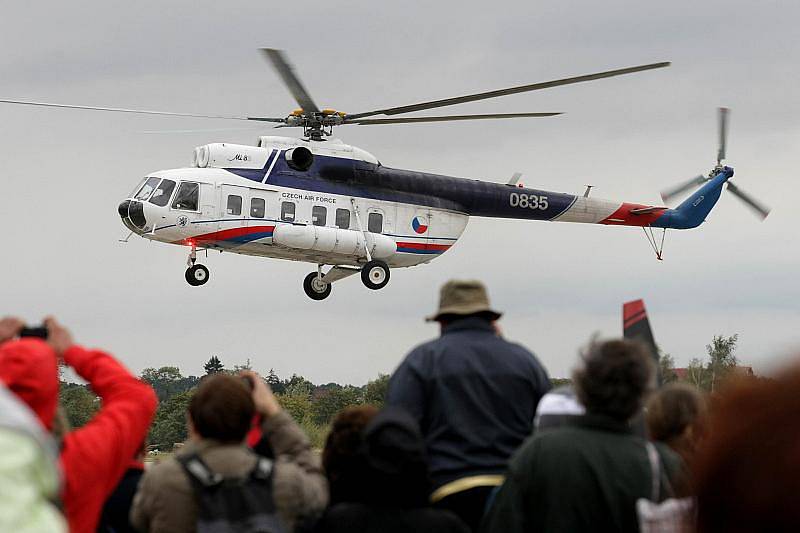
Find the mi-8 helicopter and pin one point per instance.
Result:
(321, 201)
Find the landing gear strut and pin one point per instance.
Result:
(196, 275)
(315, 288)
(375, 274)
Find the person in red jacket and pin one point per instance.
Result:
(95, 456)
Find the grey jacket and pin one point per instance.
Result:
(165, 500)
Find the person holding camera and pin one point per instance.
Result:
(216, 481)
(93, 457)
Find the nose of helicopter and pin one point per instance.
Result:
(132, 214)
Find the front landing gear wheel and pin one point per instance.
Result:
(375, 274)
(315, 288)
(196, 275)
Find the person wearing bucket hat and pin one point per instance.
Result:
(474, 395)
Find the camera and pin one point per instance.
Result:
(39, 332)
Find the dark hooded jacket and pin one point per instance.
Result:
(583, 476)
(394, 484)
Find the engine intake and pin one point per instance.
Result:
(299, 158)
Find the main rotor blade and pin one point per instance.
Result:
(503, 92)
(446, 118)
(203, 130)
(759, 208)
(668, 194)
(140, 111)
(291, 80)
(723, 133)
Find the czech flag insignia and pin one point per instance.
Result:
(420, 225)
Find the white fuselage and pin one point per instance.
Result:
(214, 208)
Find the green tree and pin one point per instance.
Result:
(166, 381)
(721, 358)
(331, 400)
(666, 369)
(559, 382)
(697, 375)
(78, 402)
(297, 404)
(213, 366)
(169, 425)
(244, 366)
(275, 382)
(375, 391)
(298, 384)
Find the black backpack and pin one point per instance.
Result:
(233, 505)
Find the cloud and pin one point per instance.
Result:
(64, 172)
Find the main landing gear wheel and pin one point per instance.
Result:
(315, 288)
(196, 275)
(375, 274)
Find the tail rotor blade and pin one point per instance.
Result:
(723, 133)
(756, 206)
(672, 192)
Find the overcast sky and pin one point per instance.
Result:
(64, 172)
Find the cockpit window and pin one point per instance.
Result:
(147, 189)
(163, 193)
(187, 196)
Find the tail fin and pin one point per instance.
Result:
(636, 326)
(694, 210)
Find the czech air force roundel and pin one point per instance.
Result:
(420, 224)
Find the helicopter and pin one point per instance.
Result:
(316, 199)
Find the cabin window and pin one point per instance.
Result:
(257, 207)
(319, 215)
(163, 193)
(287, 211)
(234, 204)
(147, 189)
(187, 196)
(343, 218)
(375, 223)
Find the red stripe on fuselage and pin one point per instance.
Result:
(624, 217)
(231, 233)
(424, 246)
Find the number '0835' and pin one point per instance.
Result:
(528, 201)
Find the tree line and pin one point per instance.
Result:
(313, 406)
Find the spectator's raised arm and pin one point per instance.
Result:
(301, 489)
(95, 456)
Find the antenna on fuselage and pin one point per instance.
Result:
(514, 179)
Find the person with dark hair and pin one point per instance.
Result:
(588, 475)
(379, 477)
(284, 490)
(676, 415)
(342, 457)
(746, 472)
(94, 457)
(474, 396)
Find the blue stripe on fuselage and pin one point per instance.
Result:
(334, 175)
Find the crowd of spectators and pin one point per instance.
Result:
(471, 439)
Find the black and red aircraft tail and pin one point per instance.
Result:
(635, 325)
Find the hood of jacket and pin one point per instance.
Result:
(29, 369)
(396, 463)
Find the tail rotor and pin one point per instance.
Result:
(677, 190)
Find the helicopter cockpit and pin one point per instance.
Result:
(157, 192)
